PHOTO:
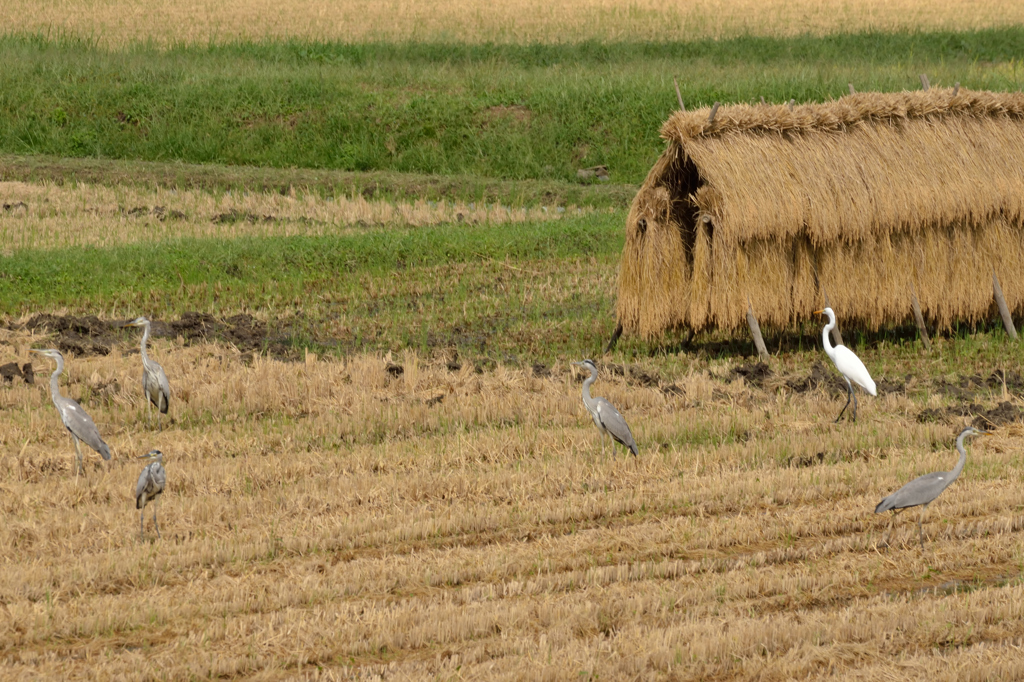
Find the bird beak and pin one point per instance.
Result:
(819, 312)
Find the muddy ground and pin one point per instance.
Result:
(89, 335)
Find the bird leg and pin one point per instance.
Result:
(892, 522)
(78, 458)
(854, 394)
(155, 525)
(920, 532)
(849, 394)
(142, 525)
(888, 534)
(148, 408)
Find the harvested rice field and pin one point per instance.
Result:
(408, 516)
(115, 24)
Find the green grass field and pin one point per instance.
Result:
(499, 111)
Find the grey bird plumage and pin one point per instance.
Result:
(150, 487)
(924, 489)
(76, 420)
(604, 414)
(154, 381)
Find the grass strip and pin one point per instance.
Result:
(326, 183)
(498, 111)
(530, 288)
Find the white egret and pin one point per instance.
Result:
(848, 364)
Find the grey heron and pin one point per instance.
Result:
(154, 381)
(924, 489)
(152, 482)
(848, 364)
(605, 416)
(71, 413)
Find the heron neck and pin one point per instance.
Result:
(145, 339)
(963, 458)
(824, 337)
(587, 400)
(55, 380)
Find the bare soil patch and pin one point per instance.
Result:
(89, 335)
(1004, 413)
(11, 371)
(754, 373)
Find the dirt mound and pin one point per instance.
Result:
(159, 212)
(887, 386)
(1014, 380)
(1004, 413)
(634, 375)
(76, 335)
(236, 216)
(755, 374)
(673, 390)
(643, 378)
(821, 375)
(11, 370)
(969, 385)
(84, 336)
(243, 331)
(963, 389)
(949, 414)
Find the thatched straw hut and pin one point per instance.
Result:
(867, 199)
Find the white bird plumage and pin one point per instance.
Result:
(848, 364)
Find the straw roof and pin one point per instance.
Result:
(869, 196)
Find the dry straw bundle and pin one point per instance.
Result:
(869, 197)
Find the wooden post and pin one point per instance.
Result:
(678, 96)
(615, 338)
(714, 110)
(924, 82)
(755, 331)
(852, 91)
(1004, 311)
(837, 337)
(791, 103)
(762, 99)
(919, 319)
(956, 88)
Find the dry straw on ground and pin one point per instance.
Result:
(868, 197)
(115, 23)
(328, 519)
(45, 215)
